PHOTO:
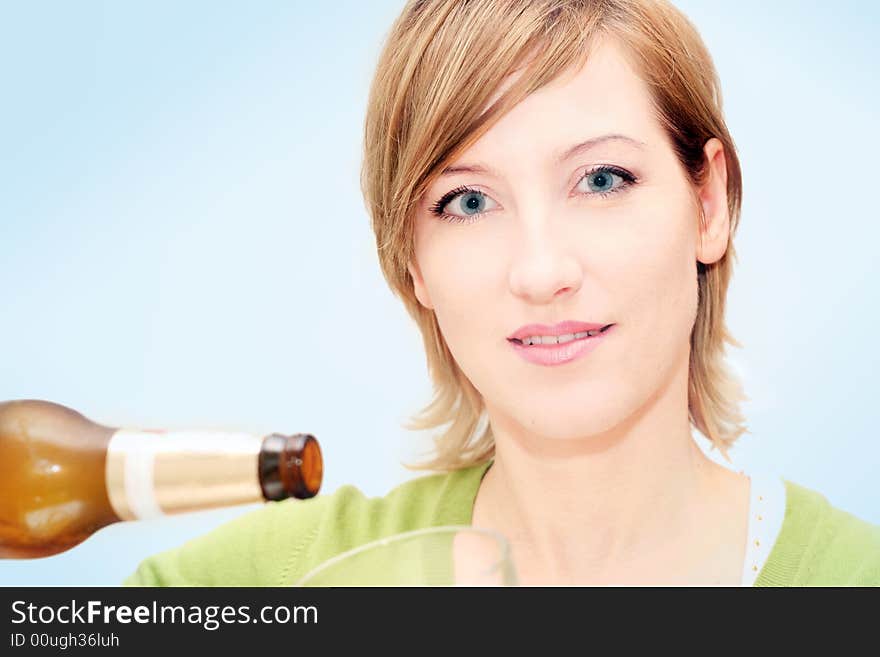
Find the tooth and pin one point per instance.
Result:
(561, 339)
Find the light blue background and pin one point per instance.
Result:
(184, 243)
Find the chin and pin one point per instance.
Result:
(567, 418)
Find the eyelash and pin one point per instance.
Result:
(437, 208)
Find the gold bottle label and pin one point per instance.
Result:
(153, 473)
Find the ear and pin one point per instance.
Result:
(419, 285)
(715, 230)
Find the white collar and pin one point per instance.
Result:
(766, 514)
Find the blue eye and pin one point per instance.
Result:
(605, 180)
(471, 202)
(601, 181)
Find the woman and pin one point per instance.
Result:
(554, 194)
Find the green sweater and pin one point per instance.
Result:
(818, 545)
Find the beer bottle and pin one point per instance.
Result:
(63, 477)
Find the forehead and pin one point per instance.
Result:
(605, 96)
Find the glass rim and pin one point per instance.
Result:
(498, 537)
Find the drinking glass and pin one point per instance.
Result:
(448, 555)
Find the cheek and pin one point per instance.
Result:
(462, 275)
(662, 281)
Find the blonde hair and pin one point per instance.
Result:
(445, 60)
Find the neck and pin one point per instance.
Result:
(627, 500)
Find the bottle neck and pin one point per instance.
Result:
(290, 465)
(153, 473)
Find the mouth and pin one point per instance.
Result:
(550, 341)
(559, 349)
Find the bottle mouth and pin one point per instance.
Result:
(312, 467)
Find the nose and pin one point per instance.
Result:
(545, 267)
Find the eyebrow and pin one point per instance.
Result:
(577, 149)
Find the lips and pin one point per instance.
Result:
(563, 352)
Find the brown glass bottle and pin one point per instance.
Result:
(63, 477)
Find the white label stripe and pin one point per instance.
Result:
(140, 488)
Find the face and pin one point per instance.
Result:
(536, 233)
